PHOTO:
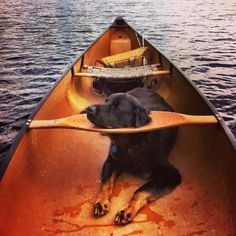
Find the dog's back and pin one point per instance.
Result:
(150, 100)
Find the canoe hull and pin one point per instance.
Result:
(48, 192)
(53, 177)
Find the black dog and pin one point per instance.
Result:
(137, 153)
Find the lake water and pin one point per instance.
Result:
(39, 39)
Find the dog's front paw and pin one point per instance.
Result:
(124, 216)
(101, 208)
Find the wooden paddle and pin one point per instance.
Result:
(160, 120)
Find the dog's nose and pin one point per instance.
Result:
(91, 109)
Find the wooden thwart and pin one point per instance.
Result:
(159, 120)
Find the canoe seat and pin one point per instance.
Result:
(130, 58)
(122, 73)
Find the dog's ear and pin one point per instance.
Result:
(141, 116)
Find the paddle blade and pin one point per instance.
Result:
(159, 120)
(75, 122)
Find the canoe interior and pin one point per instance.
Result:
(53, 179)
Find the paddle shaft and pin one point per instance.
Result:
(160, 120)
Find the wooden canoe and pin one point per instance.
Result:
(52, 176)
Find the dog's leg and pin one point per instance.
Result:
(109, 175)
(163, 181)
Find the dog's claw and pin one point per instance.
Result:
(123, 217)
(101, 208)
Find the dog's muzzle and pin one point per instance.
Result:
(92, 110)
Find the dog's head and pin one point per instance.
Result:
(119, 110)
